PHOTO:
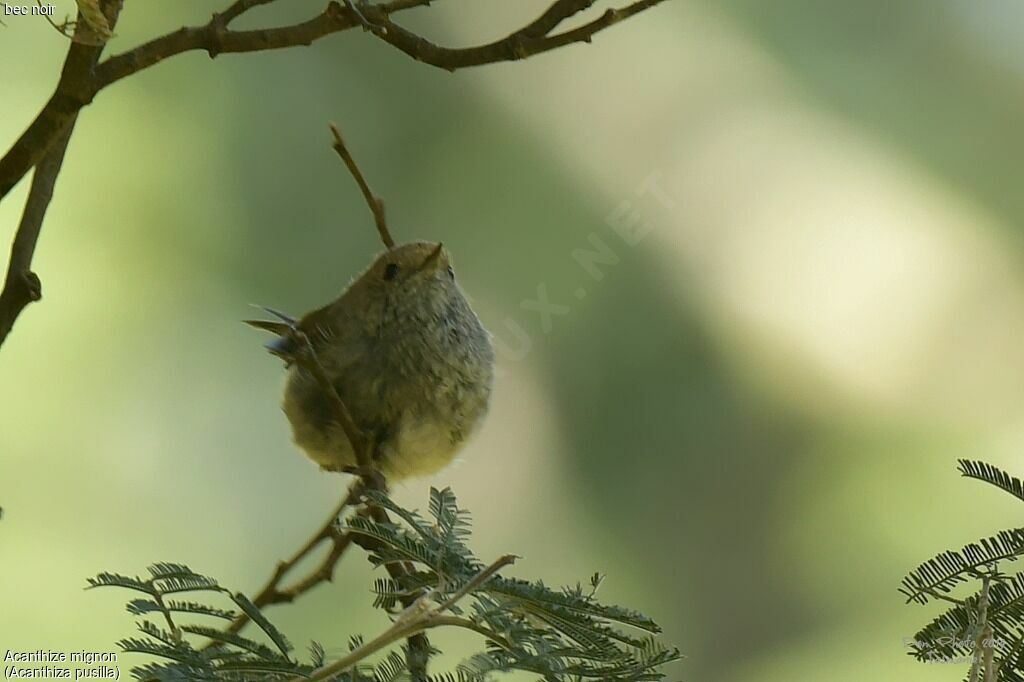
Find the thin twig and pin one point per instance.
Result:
(521, 44)
(419, 646)
(214, 38)
(983, 628)
(373, 201)
(944, 597)
(308, 360)
(559, 11)
(66, 29)
(478, 580)
(418, 617)
(237, 9)
(399, 5)
(466, 624)
(388, 637)
(273, 593)
(988, 659)
(353, 7)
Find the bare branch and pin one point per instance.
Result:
(478, 580)
(22, 286)
(983, 629)
(374, 202)
(399, 5)
(309, 361)
(364, 446)
(555, 15)
(237, 9)
(421, 616)
(45, 143)
(531, 40)
(371, 479)
(214, 38)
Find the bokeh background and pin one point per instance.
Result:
(750, 421)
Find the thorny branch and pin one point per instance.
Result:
(83, 77)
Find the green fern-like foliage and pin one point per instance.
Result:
(983, 471)
(985, 619)
(559, 634)
(230, 657)
(944, 572)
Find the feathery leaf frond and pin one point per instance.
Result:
(947, 570)
(983, 471)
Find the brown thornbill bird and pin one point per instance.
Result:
(407, 356)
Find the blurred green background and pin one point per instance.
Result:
(749, 422)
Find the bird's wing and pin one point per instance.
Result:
(330, 339)
(319, 325)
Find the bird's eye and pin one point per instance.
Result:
(390, 271)
(451, 273)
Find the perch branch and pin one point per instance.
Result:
(419, 647)
(308, 360)
(374, 202)
(370, 479)
(272, 592)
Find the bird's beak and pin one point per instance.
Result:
(431, 259)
